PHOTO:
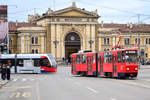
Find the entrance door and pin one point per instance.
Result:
(72, 44)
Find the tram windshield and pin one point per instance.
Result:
(131, 56)
(52, 59)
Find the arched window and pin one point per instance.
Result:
(126, 41)
(36, 40)
(32, 40)
(137, 40)
(10, 41)
(106, 41)
(32, 50)
(36, 51)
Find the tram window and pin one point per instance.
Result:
(89, 60)
(93, 58)
(123, 57)
(78, 59)
(37, 62)
(6, 61)
(110, 58)
(105, 58)
(45, 62)
(73, 60)
(119, 57)
(83, 59)
(12, 62)
(20, 62)
(131, 56)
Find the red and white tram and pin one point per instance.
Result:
(30, 63)
(114, 63)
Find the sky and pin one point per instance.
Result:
(111, 11)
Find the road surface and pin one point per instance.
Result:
(64, 86)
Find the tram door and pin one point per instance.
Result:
(101, 60)
(89, 65)
(28, 66)
(73, 65)
(114, 62)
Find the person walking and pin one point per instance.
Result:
(8, 72)
(3, 71)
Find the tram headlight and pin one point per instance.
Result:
(128, 68)
(136, 68)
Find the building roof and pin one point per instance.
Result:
(142, 28)
(61, 12)
(13, 26)
(124, 28)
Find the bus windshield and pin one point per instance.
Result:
(131, 56)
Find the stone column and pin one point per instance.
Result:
(48, 38)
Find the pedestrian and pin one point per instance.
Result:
(3, 71)
(63, 59)
(66, 61)
(8, 72)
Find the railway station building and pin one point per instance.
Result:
(73, 29)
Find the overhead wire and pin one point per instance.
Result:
(145, 1)
(115, 9)
(111, 8)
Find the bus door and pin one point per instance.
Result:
(101, 65)
(28, 66)
(73, 65)
(89, 65)
(114, 63)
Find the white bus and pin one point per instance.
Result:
(30, 63)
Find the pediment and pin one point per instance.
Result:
(73, 13)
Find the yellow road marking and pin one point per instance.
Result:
(26, 94)
(20, 87)
(18, 94)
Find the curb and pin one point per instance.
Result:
(1, 85)
(144, 68)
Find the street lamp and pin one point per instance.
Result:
(1, 48)
(130, 26)
(55, 42)
(91, 42)
(15, 63)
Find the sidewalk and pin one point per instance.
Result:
(145, 67)
(3, 82)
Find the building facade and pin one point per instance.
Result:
(74, 29)
(132, 36)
